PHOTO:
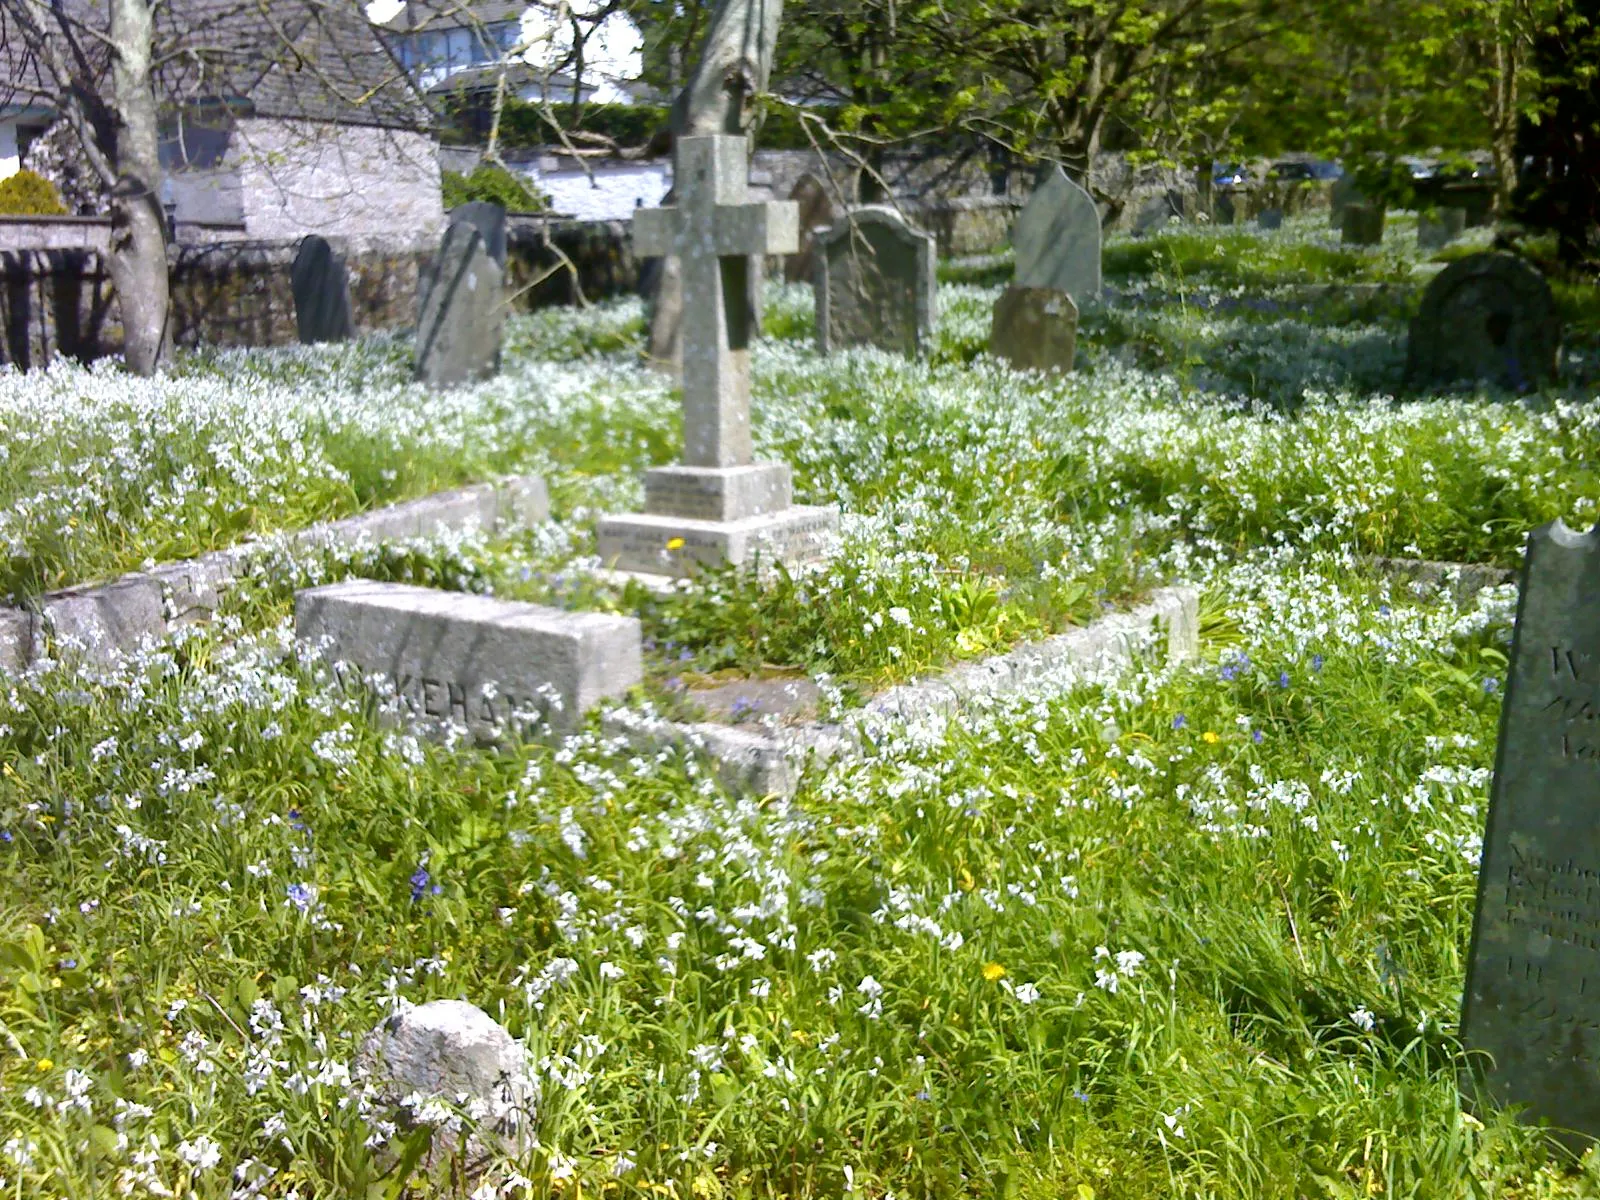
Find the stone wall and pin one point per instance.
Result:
(237, 293)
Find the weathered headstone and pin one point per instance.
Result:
(718, 505)
(489, 219)
(1343, 193)
(1269, 218)
(1536, 931)
(1438, 227)
(875, 283)
(1490, 318)
(321, 288)
(1159, 211)
(1035, 328)
(816, 212)
(473, 660)
(462, 311)
(1362, 225)
(1057, 238)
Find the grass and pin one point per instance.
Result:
(1186, 931)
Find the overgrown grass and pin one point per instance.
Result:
(1192, 933)
(1166, 932)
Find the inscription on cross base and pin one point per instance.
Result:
(713, 229)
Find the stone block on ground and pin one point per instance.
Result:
(473, 660)
(100, 623)
(16, 639)
(1035, 328)
(452, 1051)
(875, 284)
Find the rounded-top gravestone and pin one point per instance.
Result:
(321, 288)
(1486, 318)
(875, 283)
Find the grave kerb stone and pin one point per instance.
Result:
(473, 660)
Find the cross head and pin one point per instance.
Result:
(713, 229)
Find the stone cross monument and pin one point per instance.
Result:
(719, 505)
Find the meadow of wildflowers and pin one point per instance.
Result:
(1181, 931)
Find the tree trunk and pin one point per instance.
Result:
(138, 258)
(735, 63)
(1503, 120)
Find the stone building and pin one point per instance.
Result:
(276, 122)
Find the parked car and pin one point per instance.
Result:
(1228, 174)
(1292, 172)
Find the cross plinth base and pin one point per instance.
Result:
(664, 544)
(718, 493)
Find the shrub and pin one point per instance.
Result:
(27, 194)
(493, 183)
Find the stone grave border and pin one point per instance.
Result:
(771, 761)
(1464, 580)
(114, 616)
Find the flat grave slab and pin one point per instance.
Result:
(495, 666)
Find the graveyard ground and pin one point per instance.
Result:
(1179, 931)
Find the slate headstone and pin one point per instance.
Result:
(489, 219)
(1269, 218)
(1486, 318)
(321, 288)
(1343, 193)
(475, 660)
(1057, 238)
(1536, 930)
(1438, 227)
(1159, 211)
(1362, 225)
(462, 311)
(816, 212)
(1035, 328)
(875, 283)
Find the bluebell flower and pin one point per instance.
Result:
(419, 883)
(5, 835)
(1283, 679)
(1257, 736)
(301, 895)
(295, 822)
(1491, 685)
(1179, 721)
(1316, 662)
(1080, 1095)
(1383, 610)
(1228, 672)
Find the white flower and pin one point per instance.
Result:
(1027, 993)
(1363, 1019)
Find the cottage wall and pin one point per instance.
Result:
(373, 187)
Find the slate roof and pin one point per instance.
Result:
(318, 60)
(453, 14)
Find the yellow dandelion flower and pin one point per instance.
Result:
(44, 1064)
(993, 972)
(674, 543)
(1210, 738)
